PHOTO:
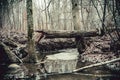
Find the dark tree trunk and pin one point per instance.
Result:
(31, 44)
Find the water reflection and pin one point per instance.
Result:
(33, 74)
(82, 77)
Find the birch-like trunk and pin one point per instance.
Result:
(75, 14)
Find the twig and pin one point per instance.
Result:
(47, 5)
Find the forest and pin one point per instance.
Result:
(59, 39)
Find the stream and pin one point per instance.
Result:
(34, 75)
(31, 71)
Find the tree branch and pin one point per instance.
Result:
(97, 64)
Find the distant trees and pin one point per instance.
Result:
(61, 14)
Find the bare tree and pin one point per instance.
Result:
(75, 14)
(31, 44)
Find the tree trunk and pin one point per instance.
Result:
(31, 44)
(76, 15)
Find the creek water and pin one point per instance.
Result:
(31, 71)
(33, 74)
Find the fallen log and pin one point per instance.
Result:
(10, 43)
(67, 34)
(97, 64)
(78, 35)
(6, 55)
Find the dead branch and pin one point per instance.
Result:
(97, 64)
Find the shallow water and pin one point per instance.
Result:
(83, 77)
(34, 75)
(31, 73)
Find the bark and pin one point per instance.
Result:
(67, 34)
(29, 19)
(75, 14)
(31, 44)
